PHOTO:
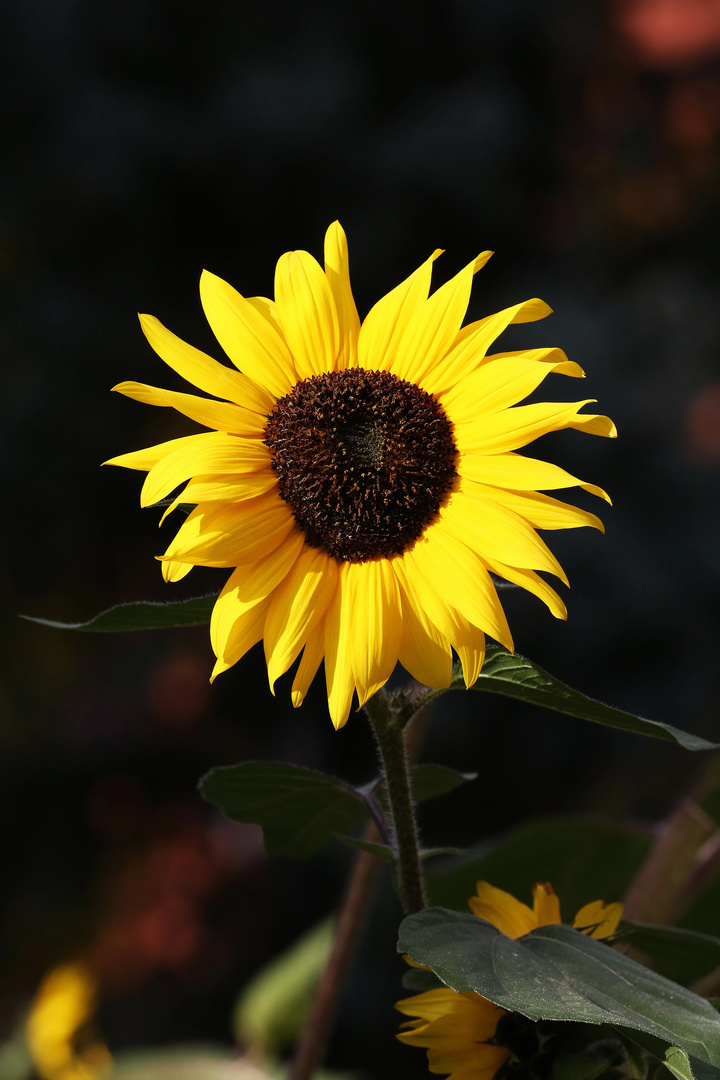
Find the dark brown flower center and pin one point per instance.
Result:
(363, 458)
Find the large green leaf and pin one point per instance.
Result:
(682, 955)
(143, 615)
(584, 858)
(557, 973)
(300, 810)
(517, 677)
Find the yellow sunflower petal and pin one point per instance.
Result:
(423, 652)
(309, 663)
(246, 632)
(306, 309)
(251, 342)
(338, 275)
(473, 341)
(386, 322)
(485, 521)
(542, 511)
(175, 571)
(250, 583)
(499, 432)
(214, 452)
(500, 908)
(433, 327)
(204, 372)
(298, 605)
(338, 663)
(598, 919)
(376, 630)
(228, 489)
(221, 535)
(145, 459)
(532, 583)
(467, 640)
(521, 473)
(546, 906)
(497, 386)
(232, 419)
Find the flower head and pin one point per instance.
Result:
(362, 481)
(460, 1031)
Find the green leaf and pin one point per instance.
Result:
(681, 955)
(300, 810)
(557, 973)
(273, 1007)
(584, 858)
(517, 677)
(418, 980)
(427, 781)
(381, 850)
(143, 615)
(680, 1064)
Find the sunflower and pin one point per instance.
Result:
(460, 1031)
(361, 480)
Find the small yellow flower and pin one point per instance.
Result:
(58, 1023)
(514, 918)
(455, 1029)
(362, 481)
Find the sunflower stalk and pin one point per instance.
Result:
(388, 718)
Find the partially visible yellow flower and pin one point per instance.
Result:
(514, 918)
(456, 1029)
(362, 481)
(57, 1027)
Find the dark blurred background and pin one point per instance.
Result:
(146, 140)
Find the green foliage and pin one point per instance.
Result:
(557, 973)
(681, 955)
(428, 781)
(584, 858)
(517, 677)
(143, 615)
(271, 1012)
(300, 810)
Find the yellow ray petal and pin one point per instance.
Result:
(250, 583)
(546, 906)
(297, 606)
(532, 583)
(248, 338)
(307, 313)
(376, 629)
(467, 640)
(246, 632)
(460, 577)
(497, 433)
(542, 511)
(500, 908)
(385, 323)
(424, 652)
(497, 386)
(227, 488)
(145, 459)
(309, 663)
(233, 419)
(473, 341)
(214, 452)
(488, 525)
(175, 571)
(338, 274)
(220, 535)
(338, 665)
(598, 919)
(521, 473)
(204, 372)
(433, 327)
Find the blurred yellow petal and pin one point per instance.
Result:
(597, 919)
(500, 908)
(546, 906)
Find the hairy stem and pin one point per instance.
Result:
(387, 723)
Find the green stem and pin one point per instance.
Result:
(387, 723)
